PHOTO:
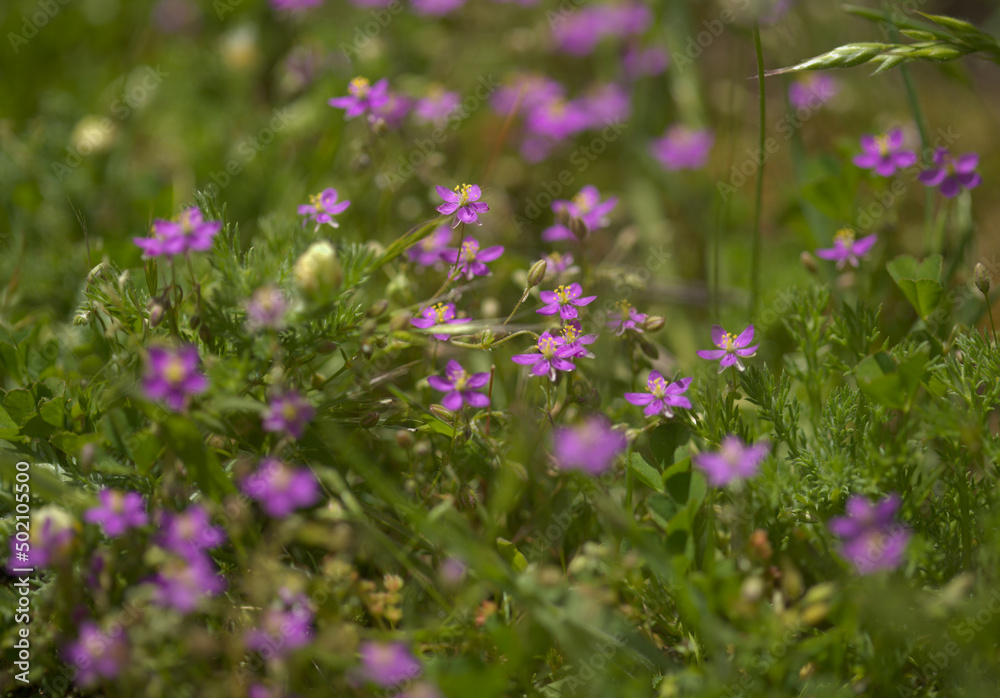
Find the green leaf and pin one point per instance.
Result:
(53, 411)
(882, 381)
(645, 473)
(202, 466)
(20, 405)
(406, 241)
(512, 555)
(664, 441)
(920, 283)
(8, 427)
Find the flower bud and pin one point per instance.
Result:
(647, 348)
(194, 321)
(404, 439)
(400, 321)
(378, 308)
(486, 338)
(442, 412)
(578, 228)
(983, 279)
(808, 261)
(653, 323)
(537, 273)
(156, 313)
(318, 271)
(369, 420)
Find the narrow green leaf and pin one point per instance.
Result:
(645, 473)
(512, 555)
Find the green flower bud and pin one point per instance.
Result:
(653, 323)
(317, 271)
(983, 279)
(537, 273)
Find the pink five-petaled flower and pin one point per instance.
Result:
(95, 654)
(586, 206)
(872, 540)
(847, 250)
(437, 106)
(662, 396)
(189, 533)
(173, 376)
(552, 356)
(463, 202)
(733, 461)
(289, 412)
(812, 91)
(388, 664)
(572, 337)
(362, 97)
(952, 174)
(281, 489)
(119, 511)
(590, 447)
(428, 251)
(182, 582)
(190, 233)
(884, 153)
(731, 348)
(564, 300)
(469, 259)
(625, 317)
(683, 148)
(459, 387)
(282, 628)
(437, 314)
(322, 208)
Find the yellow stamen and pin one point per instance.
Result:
(845, 236)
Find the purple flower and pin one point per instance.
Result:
(322, 208)
(170, 238)
(294, 5)
(392, 112)
(811, 91)
(662, 397)
(289, 412)
(362, 97)
(463, 202)
(639, 62)
(266, 310)
(437, 106)
(625, 317)
(119, 511)
(183, 582)
(683, 148)
(189, 533)
(53, 532)
(587, 206)
(173, 376)
(428, 251)
(872, 540)
(283, 628)
(604, 104)
(884, 153)
(388, 664)
(437, 314)
(590, 447)
(281, 489)
(459, 387)
(733, 461)
(579, 32)
(533, 90)
(564, 300)
(95, 654)
(552, 356)
(952, 174)
(572, 337)
(731, 348)
(436, 7)
(557, 119)
(845, 250)
(453, 571)
(556, 263)
(469, 259)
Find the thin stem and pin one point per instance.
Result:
(759, 193)
(989, 309)
(524, 297)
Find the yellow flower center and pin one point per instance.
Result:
(729, 342)
(460, 380)
(463, 191)
(314, 201)
(289, 412)
(175, 370)
(561, 292)
(359, 87)
(658, 387)
(883, 144)
(439, 311)
(547, 345)
(582, 202)
(570, 333)
(469, 249)
(845, 236)
(624, 309)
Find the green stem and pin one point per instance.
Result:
(759, 193)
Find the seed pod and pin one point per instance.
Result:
(378, 308)
(369, 420)
(983, 279)
(653, 323)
